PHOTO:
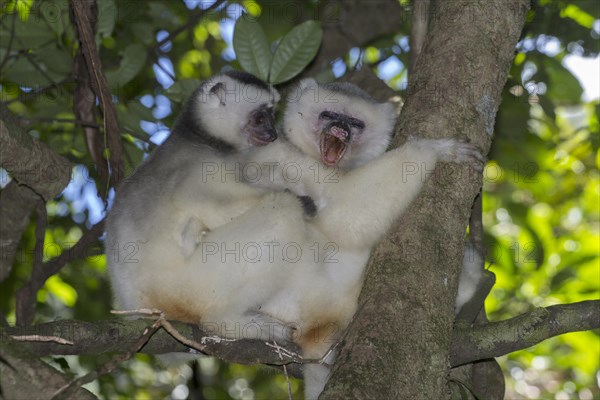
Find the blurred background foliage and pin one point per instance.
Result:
(542, 186)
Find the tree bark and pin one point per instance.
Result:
(398, 343)
(38, 173)
(71, 337)
(502, 337)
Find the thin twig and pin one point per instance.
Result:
(285, 352)
(201, 346)
(35, 94)
(191, 21)
(12, 36)
(61, 120)
(285, 372)
(35, 65)
(163, 69)
(166, 325)
(39, 338)
(40, 233)
(94, 66)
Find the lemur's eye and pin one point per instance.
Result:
(328, 115)
(331, 115)
(357, 123)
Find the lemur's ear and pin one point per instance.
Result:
(307, 83)
(304, 85)
(217, 92)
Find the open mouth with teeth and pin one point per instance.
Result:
(335, 139)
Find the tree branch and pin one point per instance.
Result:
(84, 105)
(31, 162)
(24, 377)
(26, 300)
(38, 173)
(120, 336)
(192, 20)
(499, 338)
(100, 85)
(16, 205)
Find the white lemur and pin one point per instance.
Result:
(263, 268)
(334, 125)
(163, 208)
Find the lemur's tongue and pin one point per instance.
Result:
(332, 145)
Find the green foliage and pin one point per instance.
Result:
(133, 60)
(541, 202)
(251, 47)
(293, 53)
(541, 184)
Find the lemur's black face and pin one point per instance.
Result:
(339, 130)
(260, 128)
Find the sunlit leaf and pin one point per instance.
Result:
(24, 8)
(372, 54)
(295, 51)
(252, 7)
(578, 15)
(62, 290)
(251, 47)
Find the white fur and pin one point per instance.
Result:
(302, 122)
(183, 190)
(355, 208)
(222, 112)
(243, 263)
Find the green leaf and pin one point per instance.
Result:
(134, 59)
(65, 292)
(107, 17)
(56, 14)
(56, 59)
(31, 34)
(24, 73)
(578, 15)
(144, 32)
(48, 64)
(251, 47)
(295, 51)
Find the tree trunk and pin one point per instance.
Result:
(397, 346)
